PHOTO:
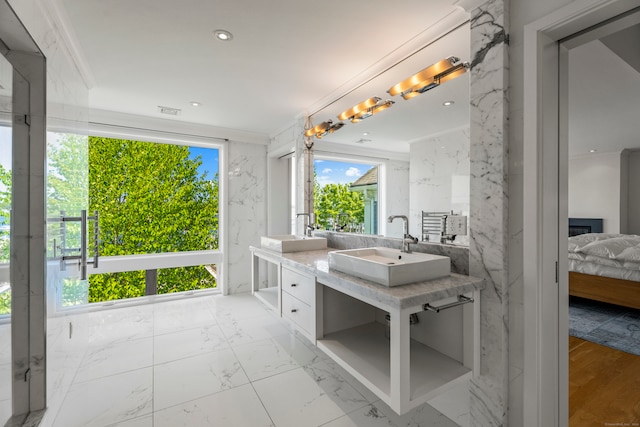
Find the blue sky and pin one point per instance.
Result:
(5, 147)
(339, 172)
(210, 161)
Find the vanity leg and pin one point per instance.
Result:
(255, 280)
(400, 360)
(279, 281)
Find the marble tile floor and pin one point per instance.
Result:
(218, 361)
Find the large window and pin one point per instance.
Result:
(150, 198)
(346, 196)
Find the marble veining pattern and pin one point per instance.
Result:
(439, 178)
(489, 105)
(246, 210)
(265, 374)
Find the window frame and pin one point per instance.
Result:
(158, 261)
(369, 161)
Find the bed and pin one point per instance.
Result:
(605, 267)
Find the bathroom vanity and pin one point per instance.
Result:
(407, 343)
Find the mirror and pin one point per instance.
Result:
(431, 136)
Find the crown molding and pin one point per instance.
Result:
(469, 5)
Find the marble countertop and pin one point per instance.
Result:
(397, 297)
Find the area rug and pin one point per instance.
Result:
(606, 324)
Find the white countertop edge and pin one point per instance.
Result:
(397, 297)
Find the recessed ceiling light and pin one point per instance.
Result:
(195, 103)
(223, 35)
(593, 150)
(365, 133)
(448, 103)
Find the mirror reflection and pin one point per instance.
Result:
(414, 154)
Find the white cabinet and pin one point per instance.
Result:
(299, 301)
(366, 328)
(298, 285)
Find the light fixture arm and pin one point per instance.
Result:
(308, 139)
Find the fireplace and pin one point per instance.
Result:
(584, 225)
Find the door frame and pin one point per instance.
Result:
(28, 266)
(545, 207)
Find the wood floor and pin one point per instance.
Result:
(604, 386)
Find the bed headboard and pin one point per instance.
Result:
(584, 225)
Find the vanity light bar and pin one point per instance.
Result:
(429, 78)
(432, 76)
(372, 110)
(323, 128)
(365, 109)
(358, 109)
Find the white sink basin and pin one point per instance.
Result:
(390, 267)
(290, 243)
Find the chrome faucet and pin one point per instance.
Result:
(309, 227)
(407, 238)
(341, 227)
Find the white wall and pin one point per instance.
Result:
(633, 193)
(439, 177)
(396, 195)
(597, 189)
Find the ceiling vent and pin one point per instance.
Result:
(169, 110)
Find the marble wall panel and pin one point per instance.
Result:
(439, 178)
(246, 211)
(489, 201)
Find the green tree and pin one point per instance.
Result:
(151, 199)
(333, 199)
(5, 219)
(5, 212)
(67, 185)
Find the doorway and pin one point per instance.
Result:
(599, 104)
(546, 207)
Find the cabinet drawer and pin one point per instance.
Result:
(298, 312)
(299, 285)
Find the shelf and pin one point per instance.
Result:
(268, 296)
(365, 351)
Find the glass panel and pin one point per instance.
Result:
(67, 197)
(150, 198)
(115, 286)
(6, 85)
(346, 196)
(153, 198)
(183, 279)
